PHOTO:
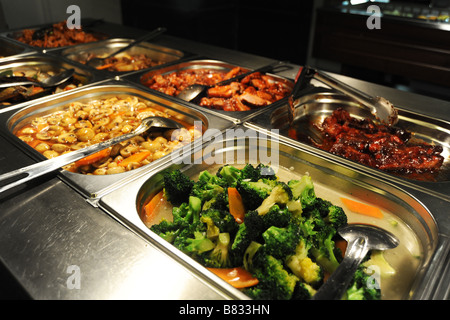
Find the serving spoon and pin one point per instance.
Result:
(193, 91)
(98, 62)
(360, 239)
(38, 169)
(53, 81)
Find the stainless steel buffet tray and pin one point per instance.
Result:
(162, 55)
(331, 180)
(209, 64)
(46, 63)
(311, 109)
(91, 185)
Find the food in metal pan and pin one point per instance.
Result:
(18, 94)
(387, 148)
(82, 124)
(269, 238)
(124, 62)
(56, 36)
(254, 91)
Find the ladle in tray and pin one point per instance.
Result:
(38, 169)
(53, 81)
(98, 62)
(360, 239)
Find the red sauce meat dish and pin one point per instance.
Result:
(254, 91)
(56, 36)
(386, 148)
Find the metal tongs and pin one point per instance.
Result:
(383, 110)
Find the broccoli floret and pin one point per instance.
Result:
(166, 230)
(275, 282)
(240, 243)
(177, 187)
(254, 192)
(219, 202)
(192, 240)
(206, 190)
(281, 194)
(303, 291)
(281, 242)
(363, 287)
(325, 251)
(222, 220)
(303, 190)
(219, 256)
(277, 216)
(229, 174)
(336, 217)
(303, 266)
(261, 171)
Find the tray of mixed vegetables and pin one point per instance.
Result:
(268, 238)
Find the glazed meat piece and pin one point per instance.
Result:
(386, 148)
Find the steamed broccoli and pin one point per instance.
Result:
(166, 230)
(303, 190)
(222, 220)
(363, 287)
(281, 194)
(325, 251)
(219, 256)
(301, 264)
(254, 192)
(275, 282)
(231, 175)
(281, 242)
(303, 291)
(177, 187)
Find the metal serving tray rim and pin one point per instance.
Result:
(132, 220)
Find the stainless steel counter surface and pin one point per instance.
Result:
(58, 246)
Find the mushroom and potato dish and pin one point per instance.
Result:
(82, 124)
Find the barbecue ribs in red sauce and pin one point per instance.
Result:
(383, 147)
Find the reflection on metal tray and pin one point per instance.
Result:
(90, 185)
(213, 65)
(312, 109)
(331, 181)
(42, 63)
(160, 55)
(9, 48)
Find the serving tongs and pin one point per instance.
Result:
(383, 110)
(19, 176)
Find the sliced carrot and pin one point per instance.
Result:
(236, 205)
(362, 208)
(238, 277)
(137, 157)
(152, 206)
(93, 158)
(342, 245)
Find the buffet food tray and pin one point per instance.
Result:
(91, 185)
(160, 54)
(17, 33)
(331, 180)
(45, 63)
(209, 64)
(313, 107)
